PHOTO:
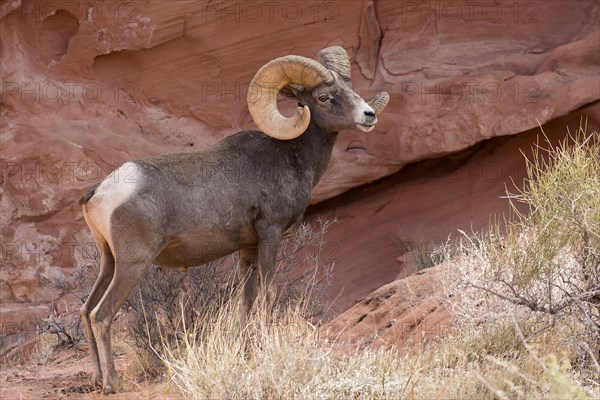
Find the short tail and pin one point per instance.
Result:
(89, 193)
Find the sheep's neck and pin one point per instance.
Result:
(315, 146)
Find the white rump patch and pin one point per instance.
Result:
(114, 190)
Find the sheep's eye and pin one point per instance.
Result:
(323, 98)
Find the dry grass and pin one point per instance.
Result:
(277, 356)
(284, 357)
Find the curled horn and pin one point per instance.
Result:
(379, 102)
(336, 59)
(270, 80)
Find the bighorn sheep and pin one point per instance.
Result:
(246, 193)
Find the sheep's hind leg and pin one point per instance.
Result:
(127, 276)
(107, 268)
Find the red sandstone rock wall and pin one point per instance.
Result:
(88, 85)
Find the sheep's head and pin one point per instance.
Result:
(322, 86)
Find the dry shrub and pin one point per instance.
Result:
(62, 326)
(66, 323)
(528, 292)
(166, 301)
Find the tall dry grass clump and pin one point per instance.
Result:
(277, 355)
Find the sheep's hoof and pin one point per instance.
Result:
(111, 385)
(96, 380)
(109, 389)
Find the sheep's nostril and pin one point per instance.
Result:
(370, 114)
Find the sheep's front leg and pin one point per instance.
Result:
(268, 245)
(249, 271)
